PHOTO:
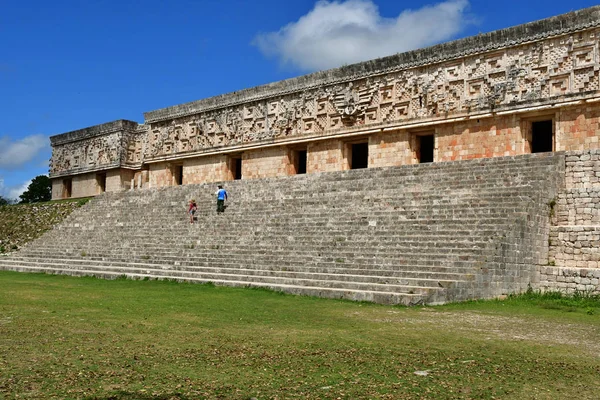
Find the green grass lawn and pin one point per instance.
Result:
(84, 338)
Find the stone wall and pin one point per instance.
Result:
(325, 156)
(161, 175)
(57, 189)
(118, 180)
(389, 149)
(579, 127)
(206, 169)
(267, 163)
(542, 45)
(574, 257)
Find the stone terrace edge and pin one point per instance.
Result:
(495, 40)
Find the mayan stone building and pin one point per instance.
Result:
(466, 170)
(527, 89)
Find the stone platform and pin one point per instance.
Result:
(429, 233)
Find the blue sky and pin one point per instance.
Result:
(66, 65)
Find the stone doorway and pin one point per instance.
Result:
(300, 161)
(235, 167)
(359, 155)
(67, 185)
(542, 136)
(425, 147)
(101, 183)
(177, 172)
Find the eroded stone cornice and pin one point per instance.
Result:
(93, 131)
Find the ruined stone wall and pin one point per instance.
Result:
(574, 257)
(102, 152)
(100, 147)
(83, 153)
(576, 127)
(119, 179)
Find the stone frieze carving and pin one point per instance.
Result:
(87, 154)
(534, 72)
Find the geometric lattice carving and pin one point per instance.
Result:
(535, 71)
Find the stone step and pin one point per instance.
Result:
(429, 297)
(406, 279)
(252, 279)
(460, 265)
(430, 272)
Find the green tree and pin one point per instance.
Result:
(40, 189)
(4, 201)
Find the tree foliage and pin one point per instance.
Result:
(40, 189)
(3, 201)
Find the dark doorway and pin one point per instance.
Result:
(301, 161)
(178, 174)
(542, 136)
(67, 186)
(359, 156)
(426, 146)
(101, 182)
(236, 168)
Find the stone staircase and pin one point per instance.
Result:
(429, 233)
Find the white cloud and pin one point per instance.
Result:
(13, 192)
(335, 33)
(14, 154)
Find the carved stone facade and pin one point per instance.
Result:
(477, 97)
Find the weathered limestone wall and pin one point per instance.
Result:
(91, 184)
(486, 137)
(84, 185)
(97, 147)
(57, 189)
(576, 127)
(267, 163)
(141, 179)
(80, 155)
(574, 257)
(160, 175)
(325, 156)
(206, 169)
(579, 127)
(118, 180)
(389, 149)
